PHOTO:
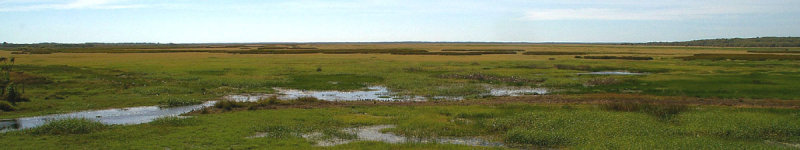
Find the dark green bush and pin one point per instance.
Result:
(6, 106)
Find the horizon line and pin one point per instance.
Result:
(345, 42)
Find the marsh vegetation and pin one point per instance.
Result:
(519, 95)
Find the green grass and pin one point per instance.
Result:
(752, 57)
(175, 121)
(68, 126)
(67, 82)
(520, 125)
(72, 82)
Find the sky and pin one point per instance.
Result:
(222, 21)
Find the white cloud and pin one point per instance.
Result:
(75, 4)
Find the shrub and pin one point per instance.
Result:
(69, 126)
(6, 106)
(13, 95)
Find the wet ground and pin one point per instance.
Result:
(378, 93)
(144, 114)
(373, 133)
(120, 116)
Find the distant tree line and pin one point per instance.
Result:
(736, 42)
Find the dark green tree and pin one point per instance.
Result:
(8, 89)
(13, 95)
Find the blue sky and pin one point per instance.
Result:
(197, 21)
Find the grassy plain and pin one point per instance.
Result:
(66, 82)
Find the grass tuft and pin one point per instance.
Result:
(538, 138)
(229, 105)
(307, 100)
(69, 126)
(662, 111)
(6, 106)
(179, 101)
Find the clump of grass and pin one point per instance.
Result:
(179, 101)
(328, 51)
(616, 57)
(6, 106)
(750, 57)
(607, 68)
(774, 51)
(272, 100)
(265, 103)
(279, 131)
(158, 90)
(414, 69)
(337, 133)
(538, 138)
(440, 53)
(492, 78)
(743, 125)
(229, 105)
(555, 53)
(662, 111)
(485, 50)
(532, 66)
(69, 126)
(175, 121)
(602, 81)
(307, 100)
